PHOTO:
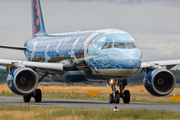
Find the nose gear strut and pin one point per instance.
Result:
(116, 95)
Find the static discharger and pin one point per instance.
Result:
(174, 98)
(91, 92)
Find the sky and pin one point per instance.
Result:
(155, 24)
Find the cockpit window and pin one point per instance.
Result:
(110, 45)
(119, 45)
(104, 46)
(130, 45)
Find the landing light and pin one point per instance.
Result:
(111, 81)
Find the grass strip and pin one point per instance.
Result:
(101, 96)
(45, 113)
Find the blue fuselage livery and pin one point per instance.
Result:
(109, 55)
(99, 55)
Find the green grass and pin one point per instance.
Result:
(82, 96)
(101, 96)
(89, 113)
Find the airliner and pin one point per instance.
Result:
(98, 56)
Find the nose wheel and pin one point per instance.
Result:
(117, 98)
(126, 98)
(111, 98)
(116, 95)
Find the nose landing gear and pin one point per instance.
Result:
(116, 95)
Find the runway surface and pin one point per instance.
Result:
(89, 104)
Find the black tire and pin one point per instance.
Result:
(111, 98)
(38, 96)
(126, 98)
(27, 98)
(117, 98)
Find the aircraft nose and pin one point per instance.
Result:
(127, 59)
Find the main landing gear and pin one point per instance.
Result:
(116, 95)
(36, 94)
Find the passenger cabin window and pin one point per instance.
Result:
(130, 45)
(120, 45)
(110, 45)
(104, 46)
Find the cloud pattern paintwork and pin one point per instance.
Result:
(113, 58)
(87, 48)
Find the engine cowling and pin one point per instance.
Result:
(159, 82)
(22, 81)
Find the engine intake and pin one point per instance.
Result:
(22, 81)
(159, 82)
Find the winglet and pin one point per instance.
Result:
(38, 28)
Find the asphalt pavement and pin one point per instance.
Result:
(89, 104)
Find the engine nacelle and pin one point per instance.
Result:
(22, 81)
(159, 82)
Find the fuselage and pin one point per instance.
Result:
(97, 55)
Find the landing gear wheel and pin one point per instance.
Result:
(117, 98)
(27, 98)
(111, 100)
(126, 98)
(38, 95)
(116, 95)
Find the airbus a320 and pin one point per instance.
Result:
(108, 55)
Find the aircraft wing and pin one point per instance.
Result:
(168, 63)
(37, 66)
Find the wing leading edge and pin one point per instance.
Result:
(59, 66)
(168, 63)
(36, 66)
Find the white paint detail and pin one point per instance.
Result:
(34, 50)
(57, 47)
(71, 53)
(46, 55)
(103, 39)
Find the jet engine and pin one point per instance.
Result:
(159, 82)
(22, 81)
